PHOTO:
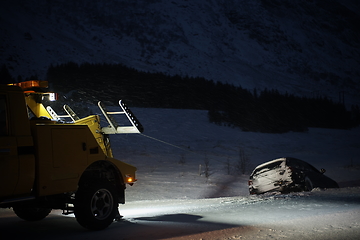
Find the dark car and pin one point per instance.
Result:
(287, 175)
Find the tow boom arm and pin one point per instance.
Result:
(114, 127)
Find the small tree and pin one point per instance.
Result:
(243, 162)
(182, 159)
(207, 167)
(228, 166)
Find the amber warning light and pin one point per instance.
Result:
(130, 179)
(31, 84)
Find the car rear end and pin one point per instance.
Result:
(270, 176)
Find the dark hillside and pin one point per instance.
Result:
(266, 111)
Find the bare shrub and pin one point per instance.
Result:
(243, 162)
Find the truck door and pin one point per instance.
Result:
(9, 164)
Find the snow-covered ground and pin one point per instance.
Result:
(174, 200)
(330, 214)
(171, 179)
(169, 169)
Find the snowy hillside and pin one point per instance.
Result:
(181, 140)
(304, 47)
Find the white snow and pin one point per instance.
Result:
(169, 182)
(171, 200)
(185, 140)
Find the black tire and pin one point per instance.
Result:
(96, 205)
(308, 184)
(32, 213)
(253, 191)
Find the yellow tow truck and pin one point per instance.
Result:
(50, 161)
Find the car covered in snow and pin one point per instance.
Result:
(286, 175)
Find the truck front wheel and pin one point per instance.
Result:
(31, 213)
(96, 205)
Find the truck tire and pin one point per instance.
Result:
(32, 213)
(96, 205)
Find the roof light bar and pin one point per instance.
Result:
(31, 84)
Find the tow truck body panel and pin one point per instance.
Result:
(42, 156)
